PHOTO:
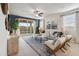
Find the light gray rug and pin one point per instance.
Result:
(38, 47)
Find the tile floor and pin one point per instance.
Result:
(26, 50)
(71, 51)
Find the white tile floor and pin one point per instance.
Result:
(26, 50)
(71, 51)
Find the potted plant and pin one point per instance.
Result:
(14, 26)
(13, 38)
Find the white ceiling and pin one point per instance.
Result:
(27, 9)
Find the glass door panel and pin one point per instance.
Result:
(27, 27)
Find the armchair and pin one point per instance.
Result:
(53, 48)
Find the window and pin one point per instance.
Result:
(24, 24)
(69, 22)
(26, 27)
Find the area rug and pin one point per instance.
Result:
(35, 44)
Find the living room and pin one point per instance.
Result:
(42, 29)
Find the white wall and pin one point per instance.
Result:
(57, 18)
(3, 34)
(77, 27)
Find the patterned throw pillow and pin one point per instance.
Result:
(55, 39)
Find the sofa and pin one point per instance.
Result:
(52, 47)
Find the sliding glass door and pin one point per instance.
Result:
(26, 27)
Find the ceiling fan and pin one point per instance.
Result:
(38, 13)
(41, 14)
